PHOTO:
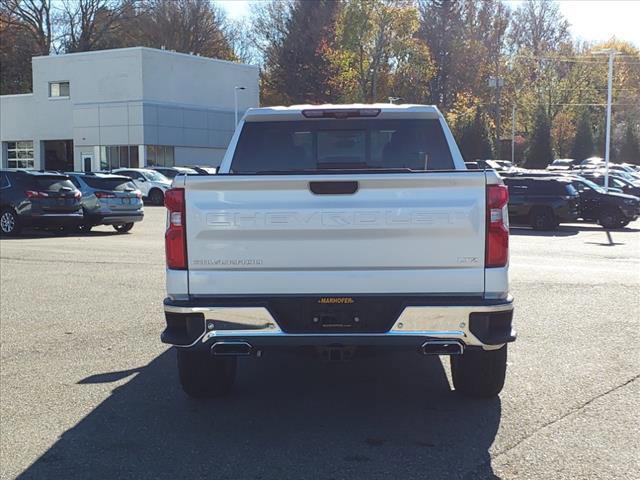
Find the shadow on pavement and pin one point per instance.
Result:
(530, 232)
(565, 231)
(44, 234)
(392, 416)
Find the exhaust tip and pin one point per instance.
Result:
(231, 348)
(442, 347)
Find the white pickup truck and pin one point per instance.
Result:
(335, 227)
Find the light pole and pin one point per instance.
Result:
(497, 83)
(612, 53)
(235, 101)
(513, 134)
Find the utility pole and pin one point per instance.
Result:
(235, 101)
(497, 83)
(612, 53)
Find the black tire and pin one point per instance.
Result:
(123, 227)
(479, 373)
(611, 218)
(543, 219)
(9, 222)
(204, 376)
(156, 197)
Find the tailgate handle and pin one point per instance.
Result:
(333, 188)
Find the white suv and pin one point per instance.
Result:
(152, 184)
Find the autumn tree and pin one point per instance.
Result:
(378, 51)
(540, 154)
(298, 68)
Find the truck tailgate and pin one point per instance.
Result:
(396, 233)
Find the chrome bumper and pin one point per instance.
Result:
(415, 323)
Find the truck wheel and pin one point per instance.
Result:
(9, 222)
(479, 373)
(204, 376)
(543, 219)
(123, 227)
(156, 197)
(611, 218)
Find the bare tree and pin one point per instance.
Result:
(189, 26)
(91, 24)
(32, 16)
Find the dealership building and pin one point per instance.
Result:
(129, 107)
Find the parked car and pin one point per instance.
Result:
(108, 200)
(39, 200)
(172, 172)
(615, 181)
(365, 232)
(152, 184)
(490, 165)
(592, 161)
(542, 203)
(563, 164)
(609, 209)
(203, 170)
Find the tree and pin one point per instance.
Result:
(16, 49)
(187, 26)
(539, 154)
(34, 17)
(378, 50)
(539, 27)
(583, 142)
(473, 137)
(630, 149)
(298, 68)
(92, 24)
(442, 30)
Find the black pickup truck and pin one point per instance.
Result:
(542, 203)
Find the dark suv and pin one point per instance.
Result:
(609, 209)
(39, 200)
(542, 203)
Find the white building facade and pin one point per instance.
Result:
(130, 107)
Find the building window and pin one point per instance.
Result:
(118, 156)
(59, 89)
(160, 156)
(20, 154)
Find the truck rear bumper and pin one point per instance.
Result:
(201, 324)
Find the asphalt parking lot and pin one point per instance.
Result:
(88, 391)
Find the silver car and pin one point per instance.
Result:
(108, 200)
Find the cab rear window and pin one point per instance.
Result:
(341, 144)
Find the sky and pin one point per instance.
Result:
(591, 20)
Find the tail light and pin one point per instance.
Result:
(36, 194)
(105, 195)
(497, 243)
(175, 241)
(77, 195)
(138, 194)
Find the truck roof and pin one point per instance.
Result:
(386, 110)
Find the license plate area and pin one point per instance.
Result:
(336, 314)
